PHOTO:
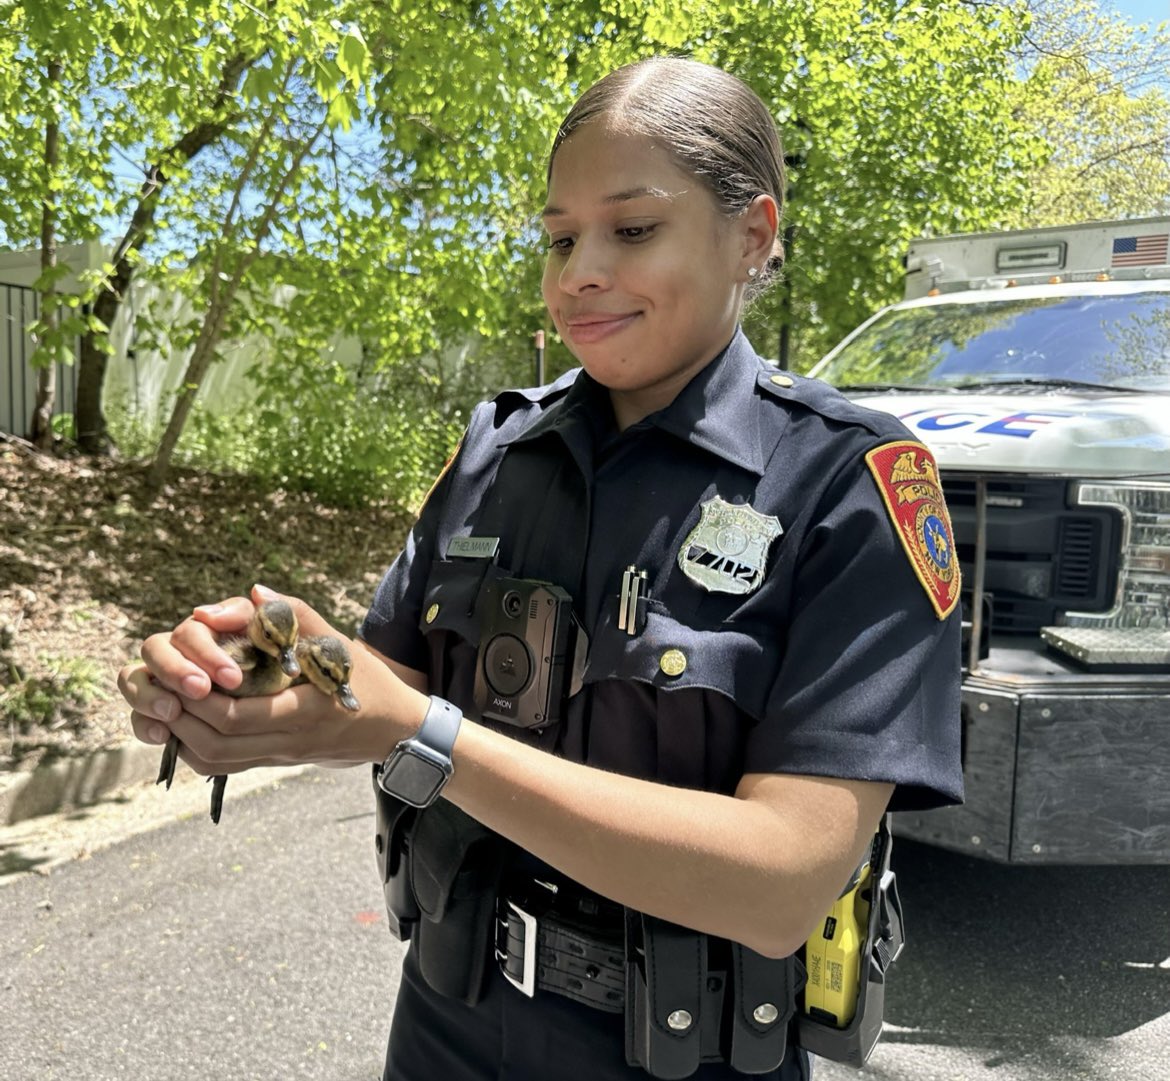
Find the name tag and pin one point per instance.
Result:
(473, 547)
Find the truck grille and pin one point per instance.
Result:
(1043, 556)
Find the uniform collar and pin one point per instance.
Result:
(717, 410)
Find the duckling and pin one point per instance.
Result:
(266, 655)
(321, 660)
(325, 662)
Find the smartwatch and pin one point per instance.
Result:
(419, 768)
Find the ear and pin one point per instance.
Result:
(759, 224)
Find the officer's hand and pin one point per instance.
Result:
(221, 734)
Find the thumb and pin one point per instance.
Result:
(226, 616)
(309, 621)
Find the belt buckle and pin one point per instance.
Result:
(527, 983)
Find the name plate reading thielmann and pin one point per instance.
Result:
(473, 547)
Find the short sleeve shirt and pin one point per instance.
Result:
(793, 563)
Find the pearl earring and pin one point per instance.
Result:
(752, 272)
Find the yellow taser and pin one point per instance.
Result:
(832, 956)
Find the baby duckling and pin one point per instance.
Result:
(266, 655)
(323, 661)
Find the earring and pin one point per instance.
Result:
(752, 272)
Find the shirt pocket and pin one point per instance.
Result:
(671, 655)
(450, 624)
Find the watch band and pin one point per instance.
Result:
(440, 726)
(419, 767)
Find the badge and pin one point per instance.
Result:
(908, 480)
(727, 551)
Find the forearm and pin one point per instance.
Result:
(739, 868)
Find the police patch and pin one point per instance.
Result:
(907, 478)
(728, 550)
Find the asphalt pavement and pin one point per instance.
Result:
(259, 950)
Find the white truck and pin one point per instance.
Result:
(1036, 366)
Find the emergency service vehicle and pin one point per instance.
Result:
(1035, 365)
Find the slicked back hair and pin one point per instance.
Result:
(713, 125)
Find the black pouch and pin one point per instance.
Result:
(394, 819)
(764, 997)
(455, 869)
(666, 974)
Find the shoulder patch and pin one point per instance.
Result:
(907, 477)
(442, 473)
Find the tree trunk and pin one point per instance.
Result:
(89, 420)
(201, 357)
(41, 428)
(222, 296)
(92, 433)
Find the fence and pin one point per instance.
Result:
(19, 309)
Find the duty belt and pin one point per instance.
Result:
(552, 937)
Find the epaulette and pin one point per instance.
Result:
(820, 397)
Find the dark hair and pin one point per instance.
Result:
(713, 124)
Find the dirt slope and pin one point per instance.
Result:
(89, 567)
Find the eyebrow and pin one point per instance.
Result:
(617, 197)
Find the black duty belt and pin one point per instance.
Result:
(554, 937)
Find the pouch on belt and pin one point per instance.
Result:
(455, 865)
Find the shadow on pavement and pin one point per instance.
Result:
(1027, 953)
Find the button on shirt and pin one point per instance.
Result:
(831, 662)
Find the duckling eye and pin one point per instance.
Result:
(268, 634)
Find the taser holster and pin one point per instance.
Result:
(884, 940)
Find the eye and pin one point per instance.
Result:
(636, 233)
(561, 244)
(268, 634)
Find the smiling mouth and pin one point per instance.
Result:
(585, 329)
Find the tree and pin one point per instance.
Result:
(44, 69)
(295, 186)
(1096, 94)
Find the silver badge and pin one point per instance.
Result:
(728, 550)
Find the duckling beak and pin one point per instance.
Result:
(345, 696)
(288, 663)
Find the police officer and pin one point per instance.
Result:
(668, 639)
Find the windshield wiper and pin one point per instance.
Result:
(1048, 381)
(878, 388)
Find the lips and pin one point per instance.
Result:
(586, 328)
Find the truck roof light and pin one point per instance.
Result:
(1056, 279)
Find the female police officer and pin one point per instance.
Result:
(688, 625)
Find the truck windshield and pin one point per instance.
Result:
(1116, 341)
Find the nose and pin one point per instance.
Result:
(586, 267)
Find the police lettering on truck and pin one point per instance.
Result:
(1036, 366)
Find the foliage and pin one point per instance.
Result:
(56, 695)
(1096, 94)
(309, 170)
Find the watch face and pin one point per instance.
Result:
(413, 780)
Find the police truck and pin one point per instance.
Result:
(1035, 365)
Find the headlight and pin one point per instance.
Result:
(1136, 629)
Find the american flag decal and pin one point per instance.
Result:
(1147, 250)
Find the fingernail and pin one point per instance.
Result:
(168, 710)
(193, 686)
(225, 676)
(210, 609)
(266, 593)
(158, 734)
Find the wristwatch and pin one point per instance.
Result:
(419, 768)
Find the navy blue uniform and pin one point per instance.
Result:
(801, 620)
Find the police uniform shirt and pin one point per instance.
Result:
(799, 620)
